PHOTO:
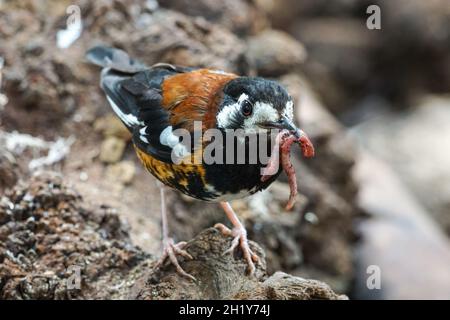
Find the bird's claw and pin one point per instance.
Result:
(170, 251)
(239, 238)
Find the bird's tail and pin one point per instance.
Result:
(117, 68)
(114, 59)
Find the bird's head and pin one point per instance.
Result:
(255, 104)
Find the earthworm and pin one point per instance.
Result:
(283, 143)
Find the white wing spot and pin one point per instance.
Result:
(142, 134)
(167, 138)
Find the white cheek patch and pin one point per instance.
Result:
(289, 110)
(262, 112)
(129, 119)
(226, 115)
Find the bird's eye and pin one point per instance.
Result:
(246, 108)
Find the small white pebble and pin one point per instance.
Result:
(311, 218)
(78, 117)
(152, 5)
(10, 205)
(28, 197)
(83, 176)
(3, 100)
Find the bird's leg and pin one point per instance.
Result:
(239, 235)
(170, 248)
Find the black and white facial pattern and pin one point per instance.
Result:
(250, 103)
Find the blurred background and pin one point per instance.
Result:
(375, 202)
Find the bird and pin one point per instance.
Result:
(160, 103)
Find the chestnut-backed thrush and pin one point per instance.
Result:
(155, 102)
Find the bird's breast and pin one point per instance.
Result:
(208, 182)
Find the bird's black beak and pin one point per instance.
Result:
(284, 124)
(287, 124)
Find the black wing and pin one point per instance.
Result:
(134, 92)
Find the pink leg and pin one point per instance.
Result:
(170, 248)
(240, 237)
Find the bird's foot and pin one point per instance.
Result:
(239, 235)
(170, 251)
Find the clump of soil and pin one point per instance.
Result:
(54, 247)
(48, 237)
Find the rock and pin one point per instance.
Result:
(55, 247)
(111, 150)
(211, 266)
(400, 240)
(187, 41)
(8, 169)
(165, 36)
(110, 125)
(239, 16)
(282, 13)
(122, 172)
(284, 286)
(274, 53)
